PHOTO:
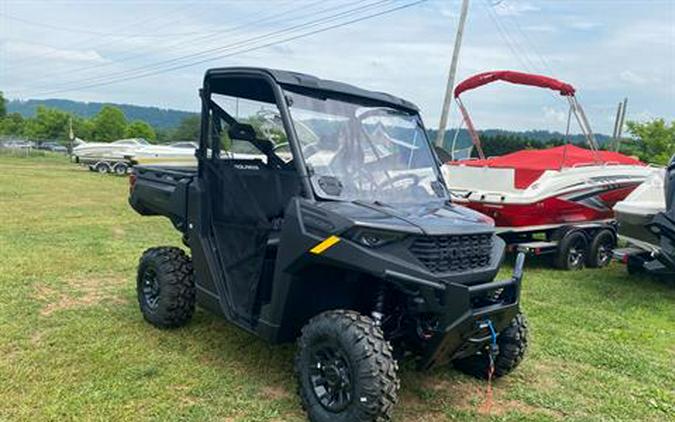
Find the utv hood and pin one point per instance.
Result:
(430, 219)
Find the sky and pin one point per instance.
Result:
(94, 50)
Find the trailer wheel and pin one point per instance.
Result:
(512, 343)
(600, 249)
(102, 168)
(121, 169)
(345, 369)
(165, 287)
(571, 252)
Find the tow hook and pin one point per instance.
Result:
(494, 347)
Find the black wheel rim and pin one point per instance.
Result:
(150, 289)
(330, 377)
(576, 254)
(102, 169)
(604, 254)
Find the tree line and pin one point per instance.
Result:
(52, 124)
(652, 141)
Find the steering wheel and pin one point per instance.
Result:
(392, 180)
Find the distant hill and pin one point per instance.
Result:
(168, 119)
(463, 138)
(157, 117)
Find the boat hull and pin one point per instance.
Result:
(639, 209)
(583, 205)
(633, 228)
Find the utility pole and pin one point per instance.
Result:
(451, 76)
(71, 135)
(623, 118)
(618, 123)
(615, 134)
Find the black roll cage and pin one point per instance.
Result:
(282, 102)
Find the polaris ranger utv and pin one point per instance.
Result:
(345, 240)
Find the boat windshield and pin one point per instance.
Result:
(357, 151)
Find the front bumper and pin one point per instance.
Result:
(464, 309)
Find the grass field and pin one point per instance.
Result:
(73, 344)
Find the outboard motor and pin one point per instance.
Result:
(663, 224)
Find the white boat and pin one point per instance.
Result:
(639, 209)
(534, 190)
(647, 222)
(92, 153)
(177, 154)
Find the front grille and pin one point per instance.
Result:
(454, 253)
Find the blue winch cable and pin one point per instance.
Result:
(493, 333)
(493, 351)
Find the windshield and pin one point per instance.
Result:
(355, 151)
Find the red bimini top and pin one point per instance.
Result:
(514, 77)
(529, 165)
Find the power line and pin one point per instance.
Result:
(285, 40)
(513, 44)
(257, 19)
(530, 44)
(97, 44)
(525, 62)
(242, 43)
(44, 25)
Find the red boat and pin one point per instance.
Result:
(545, 191)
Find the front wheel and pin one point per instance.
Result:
(512, 342)
(345, 369)
(165, 287)
(102, 168)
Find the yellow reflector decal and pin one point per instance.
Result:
(325, 244)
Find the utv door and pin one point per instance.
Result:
(248, 187)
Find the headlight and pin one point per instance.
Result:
(375, 238)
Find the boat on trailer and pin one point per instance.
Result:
(647, 222)
(557, 200)
(639, 208)
(107, 157)
(176, 154)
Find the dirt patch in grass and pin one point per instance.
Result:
(36, 338)
(118, 233)
(501, 407)
(78, 292)
(424, 397)
(274, 392)
(434, 394)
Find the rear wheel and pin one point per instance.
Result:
(165, 287)
(571, 253)
(121, 169)
(345, 369)
(512, 343)
(600, 249)
(102, 168)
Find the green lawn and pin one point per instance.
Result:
(73, 344)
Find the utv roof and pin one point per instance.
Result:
(284, 77)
